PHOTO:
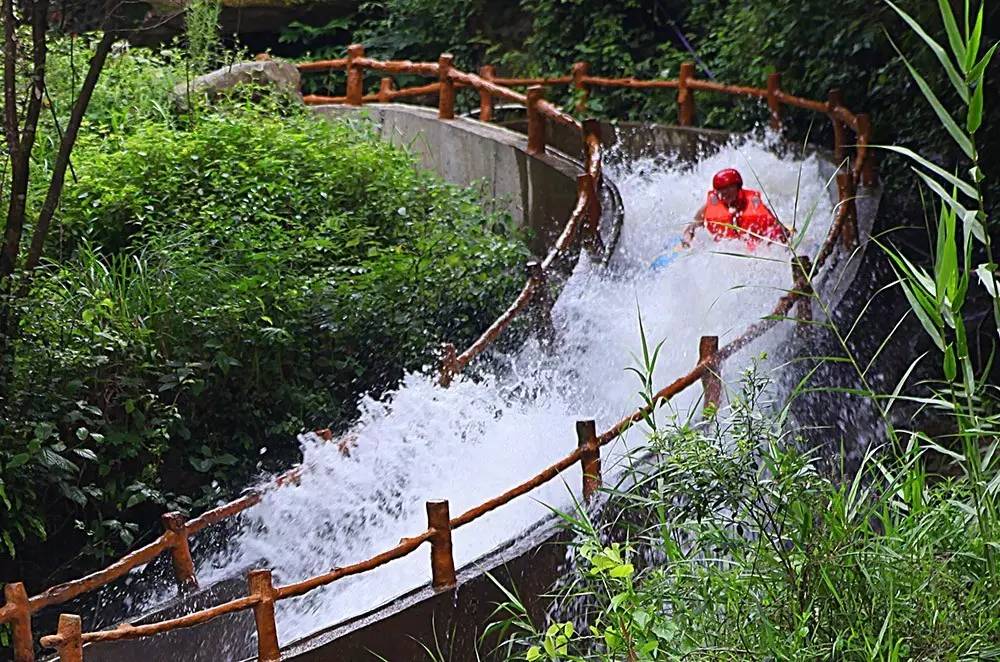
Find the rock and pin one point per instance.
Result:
(284, 77)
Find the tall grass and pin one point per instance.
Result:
(202, 30)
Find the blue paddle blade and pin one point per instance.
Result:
(663, 261)
(672, 254)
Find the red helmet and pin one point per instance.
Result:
(727, 177)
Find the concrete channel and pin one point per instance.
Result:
(539, 194)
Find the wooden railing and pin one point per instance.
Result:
(584, 220)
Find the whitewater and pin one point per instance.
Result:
(493, 429)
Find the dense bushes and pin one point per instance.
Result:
(726, 542)
(216, 288)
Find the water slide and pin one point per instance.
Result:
(515, 412)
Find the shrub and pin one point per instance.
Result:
(219, 288)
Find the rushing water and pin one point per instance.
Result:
(489, 432)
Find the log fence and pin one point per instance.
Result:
(584, 220)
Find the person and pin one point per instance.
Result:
(734, 212)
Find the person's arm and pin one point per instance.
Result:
(692, 227)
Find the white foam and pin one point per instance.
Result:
(490, 432)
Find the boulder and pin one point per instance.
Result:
(283, 76)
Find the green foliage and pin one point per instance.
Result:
(963, 256)
(134, 88)
(220, 286)
(729, 543)
(201, 20)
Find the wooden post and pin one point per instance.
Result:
(180, 551)
(384, 89)
(711, 382)
(449, 357)
(446, 96)
(585, 188)
(355, 75)
(869, 172)
(801, 269)
(592, 127)
(835, 99)
(259, 582)
(442, 561)
(590, 456)
(848, 213)
(536, 121)
(685, 96)
(580, 71)
(590, 238)
(70, 638)
(20, 622)
(773, 87)
(486, 72)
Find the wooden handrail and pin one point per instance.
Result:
(483, 85)
(711, 86)
(126, 631)
(399, 66)
(322, 65)
(587, 450)
(542, 477)
(524, 82)
(69, 590)
(405, 546)
(629, 82)
(225, 511)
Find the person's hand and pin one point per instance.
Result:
(683, 245)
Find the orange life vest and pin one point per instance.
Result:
(749, 219)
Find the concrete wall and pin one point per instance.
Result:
(539, 193)
(451, 621)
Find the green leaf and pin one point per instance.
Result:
(946, 261)
(958, 183)
(74, 494)
(988, 279)
(227, 459)
(534, 653)
(976, 73)
(968, 215)
(948, 363)
(972, 48)
(946, 119)
(53, 460)
(951, 27)
(623, 570)
(939, 52)
(18, 460)
(974, 117)
(922, 313)
(86, 454)
(200, 464)
(641, 618)
(136, 498)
